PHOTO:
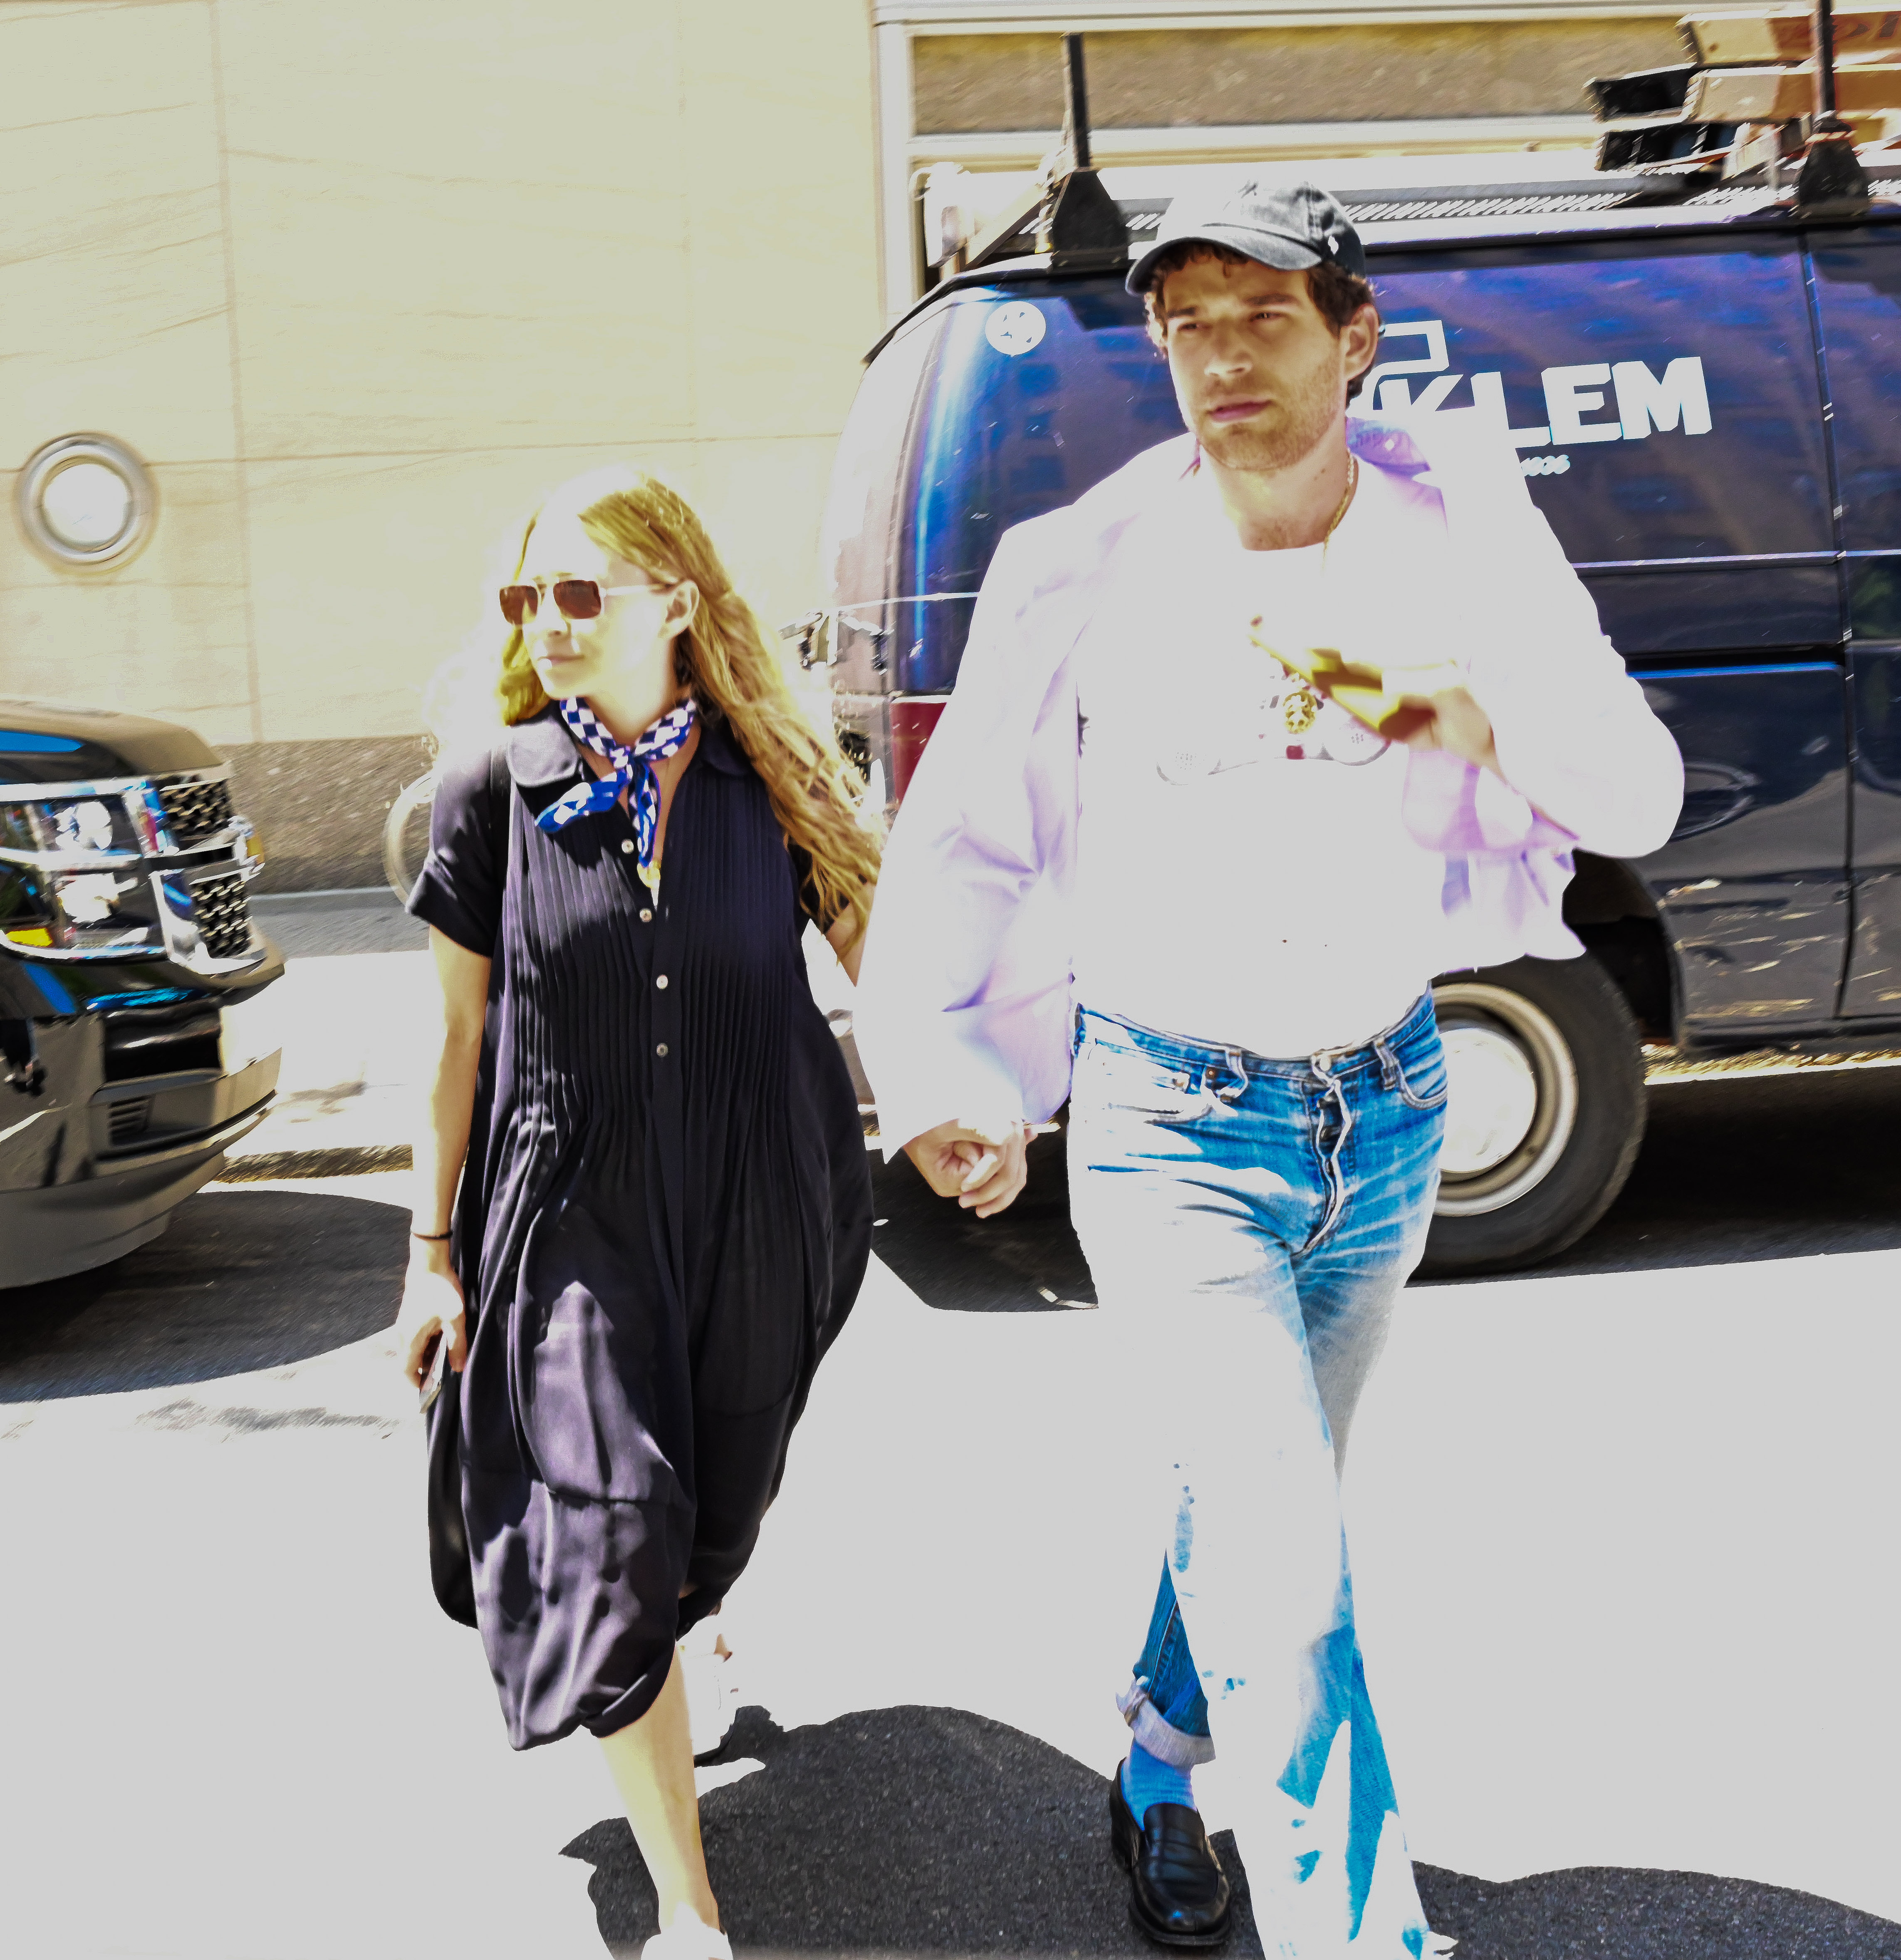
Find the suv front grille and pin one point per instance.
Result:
(223, 919)
(126, 1120)
(195, 811)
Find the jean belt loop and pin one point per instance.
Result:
(1390, 1076)
(1237, 1068)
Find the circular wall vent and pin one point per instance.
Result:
(86, 499)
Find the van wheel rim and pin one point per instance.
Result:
(1511, 1100)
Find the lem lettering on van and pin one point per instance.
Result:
(1643, 400)
(1578, 400)
(1570, 394)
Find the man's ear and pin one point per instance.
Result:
(1360, 340)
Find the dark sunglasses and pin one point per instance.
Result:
(574, 598)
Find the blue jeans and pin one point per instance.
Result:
(1255, 1219)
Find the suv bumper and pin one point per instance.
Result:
(117, 1198)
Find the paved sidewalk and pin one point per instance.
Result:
(1596, 1599)
(352, 1015)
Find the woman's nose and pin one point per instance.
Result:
(548, 619)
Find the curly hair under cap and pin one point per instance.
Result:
(725, 661)
(1338, 294)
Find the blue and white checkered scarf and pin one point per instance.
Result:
(630, 768)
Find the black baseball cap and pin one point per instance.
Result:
(1289, 226)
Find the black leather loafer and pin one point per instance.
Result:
(1178, 1892)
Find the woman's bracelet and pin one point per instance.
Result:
(432, 1237)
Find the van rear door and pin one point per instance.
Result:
(1665, 399)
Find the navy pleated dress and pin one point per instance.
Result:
(665, 1216)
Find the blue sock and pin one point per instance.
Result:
(1147, 1780)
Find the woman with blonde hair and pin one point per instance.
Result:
(643, 1170)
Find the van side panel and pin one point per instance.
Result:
(1752, 886)
(1041, 392)
(1858, 294)
(867, 509)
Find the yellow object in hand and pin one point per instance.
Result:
(1395, 702)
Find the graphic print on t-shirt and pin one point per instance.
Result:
(1289, 724)
(1268, 716)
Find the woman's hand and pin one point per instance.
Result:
(982, 1166)
(432, 1305)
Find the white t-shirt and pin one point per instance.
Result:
(1244, 876)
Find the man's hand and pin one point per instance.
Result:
(1458, 725)
(1424, 708)
(982, 1166)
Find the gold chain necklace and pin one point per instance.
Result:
(1300, 705)
(1345, 498)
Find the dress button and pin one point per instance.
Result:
(627, 847)
(661, 1049)
(647, 917)
(661, 981)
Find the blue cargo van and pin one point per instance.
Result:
(1706, 396)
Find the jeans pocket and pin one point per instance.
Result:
(1418, 1076)
(1108, 1080)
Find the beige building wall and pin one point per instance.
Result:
(360, 282)
(1347, 72)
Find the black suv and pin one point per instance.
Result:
(124, 934)
(1704, 389)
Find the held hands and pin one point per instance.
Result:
(1424, 707)
(432, 1305)
(982, 1166)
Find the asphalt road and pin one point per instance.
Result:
(933, 1788)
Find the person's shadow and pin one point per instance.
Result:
(934, 1831)
(896, 1830)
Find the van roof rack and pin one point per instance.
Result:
(1807, 92)
(1394, 205)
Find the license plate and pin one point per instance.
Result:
(243, 1035)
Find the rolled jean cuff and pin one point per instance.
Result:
(1163, 1741)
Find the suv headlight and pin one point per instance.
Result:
(106, 912)
(100, 899)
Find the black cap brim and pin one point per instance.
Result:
(1266, 248)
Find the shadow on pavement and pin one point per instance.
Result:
(896, 1830)
(1750, 1168)
(934, 1831)
(240, 1279)
(1640, 1915)
(1731, 1170)
(1025, 1260)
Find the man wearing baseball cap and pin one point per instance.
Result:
(1284, 718)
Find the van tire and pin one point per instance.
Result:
(1553, 1038)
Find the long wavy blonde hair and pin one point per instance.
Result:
(725, 659)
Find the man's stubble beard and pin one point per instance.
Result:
(1297, 429)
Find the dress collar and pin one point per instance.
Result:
(542, 753)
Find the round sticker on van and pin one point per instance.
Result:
(1015, 328)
